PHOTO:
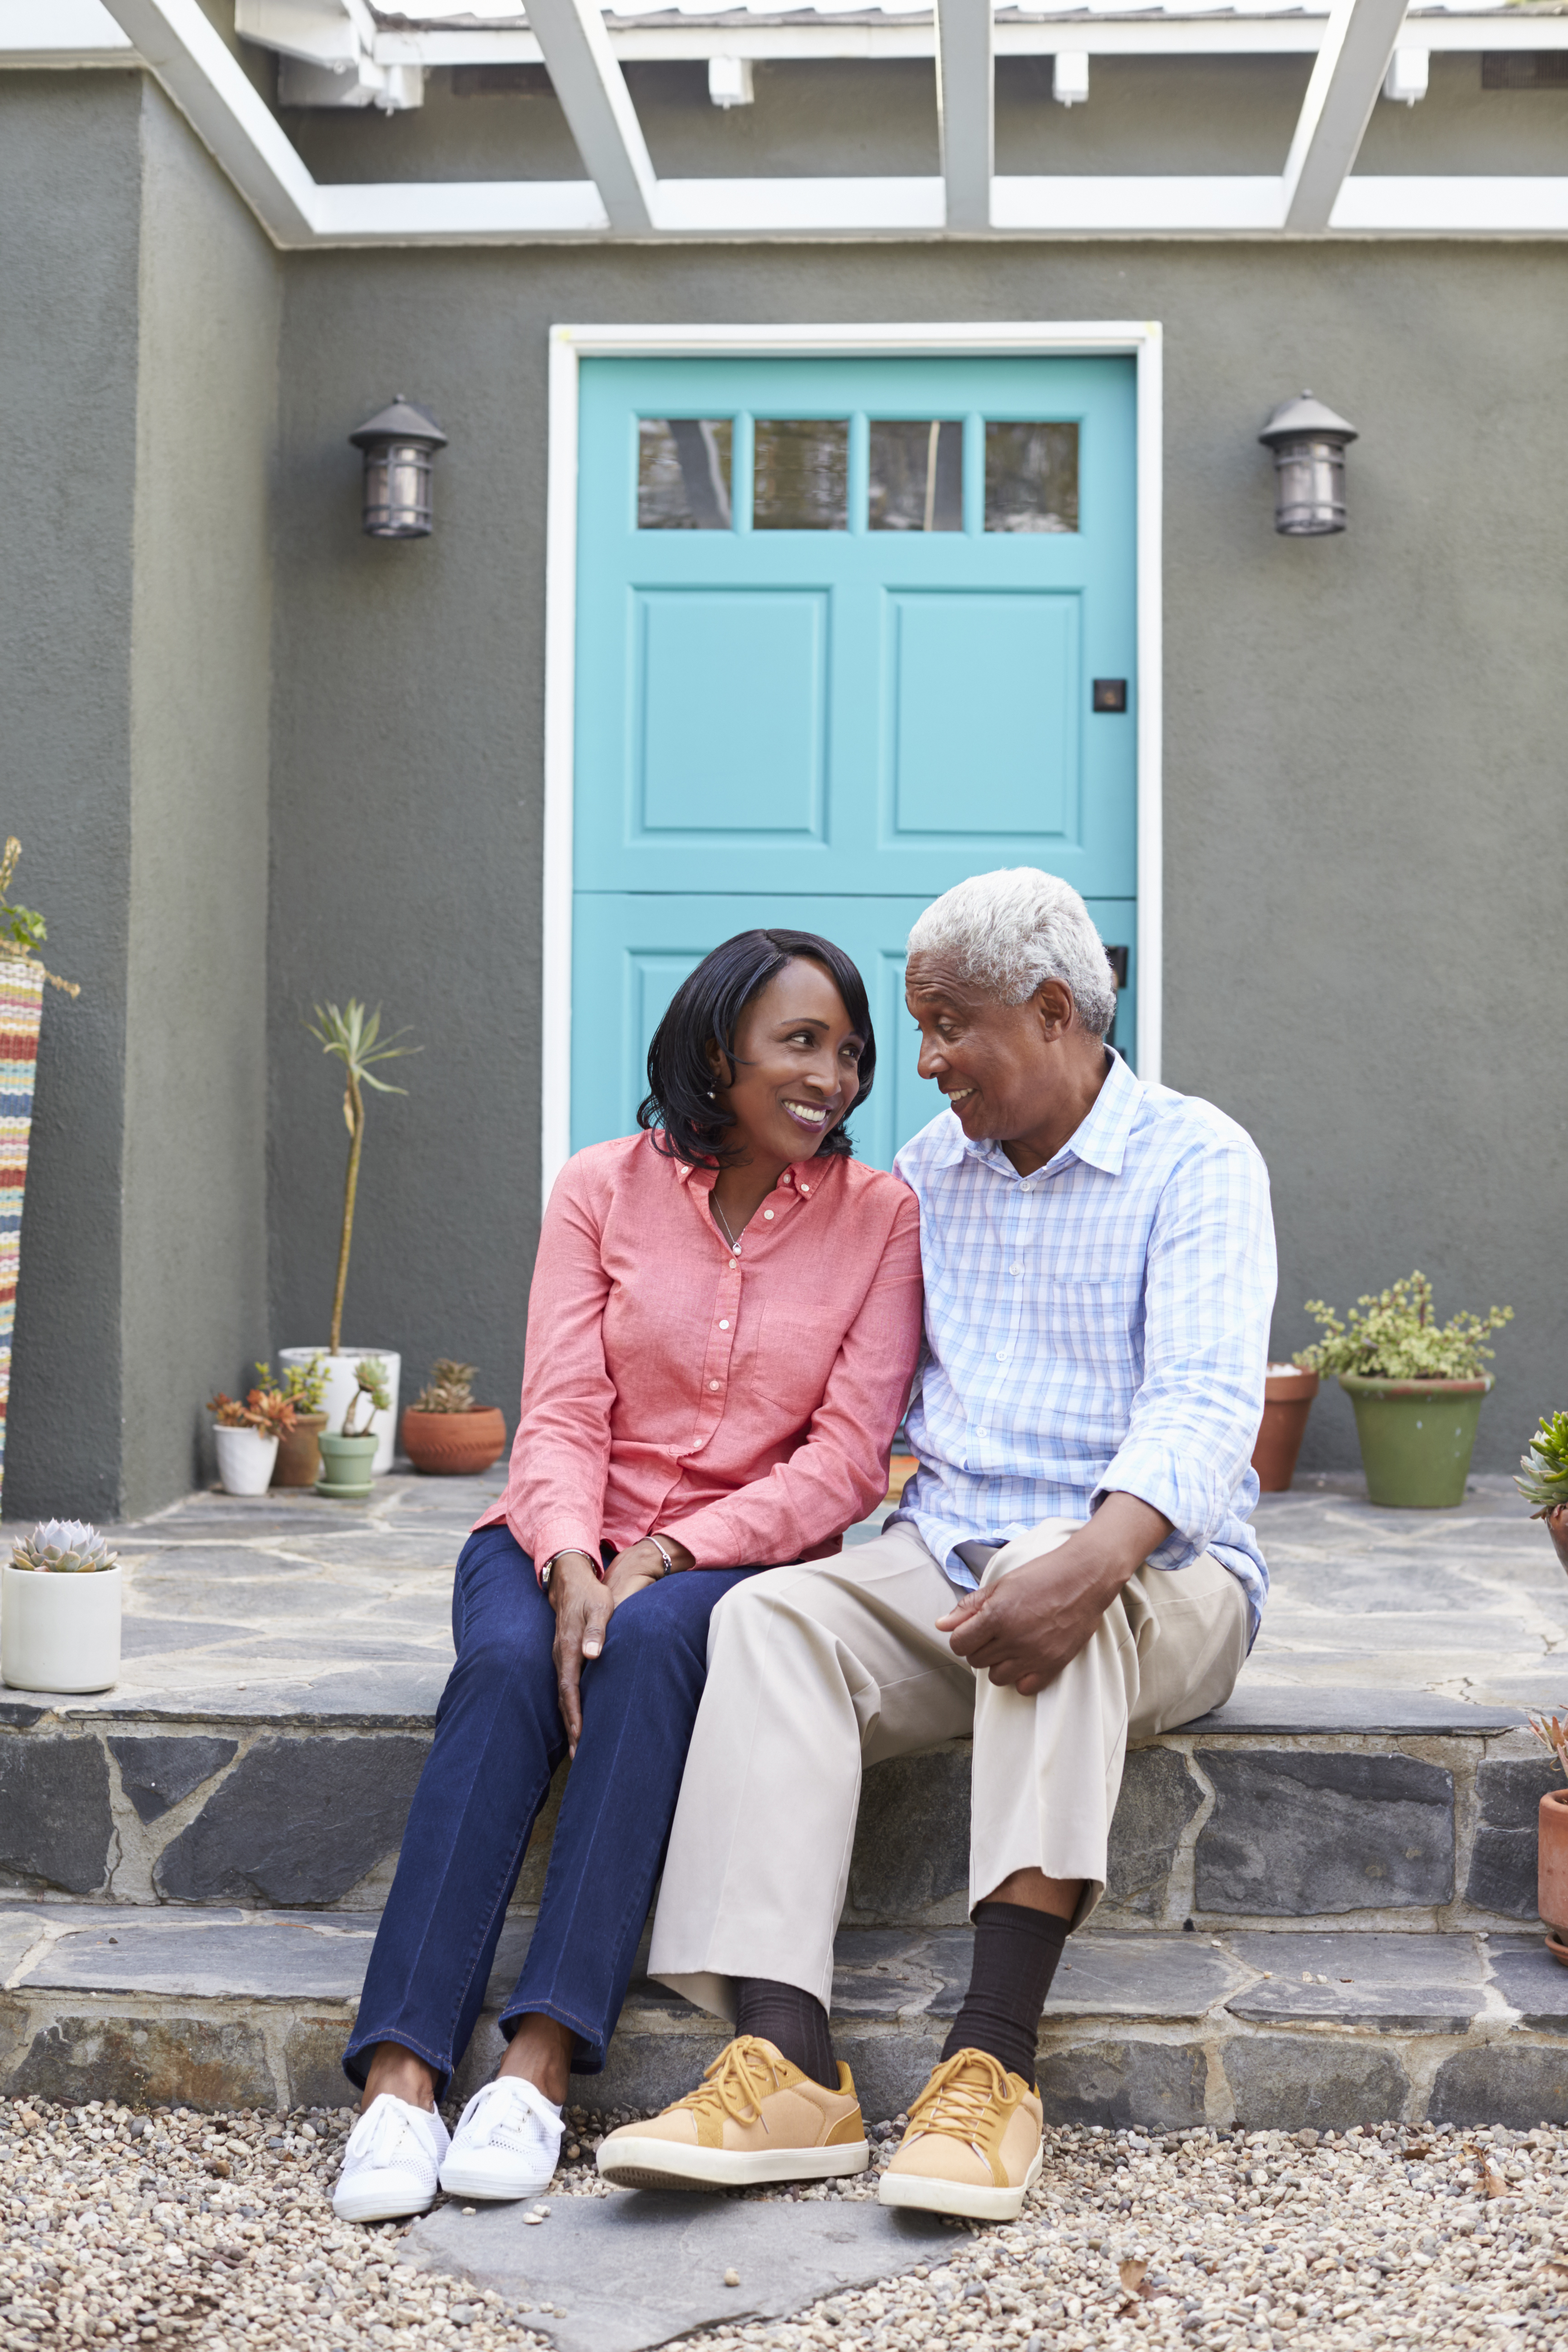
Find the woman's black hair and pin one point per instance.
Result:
(685, 1121)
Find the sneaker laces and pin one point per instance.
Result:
(384, 2126)
(960, 2096)
(492, 2113)
(745, 2071)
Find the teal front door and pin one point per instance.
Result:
(847, 630)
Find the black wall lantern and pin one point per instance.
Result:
(1309, 445)
(398, 446)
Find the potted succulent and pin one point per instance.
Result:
(247, 1436)
(1287, 1394)
(445, 1432)
(348, 1456)
(1552, 1851)
(1417, 1386)
(56, 1635)
(299, 1462)
(352, 1036)
(1545, 1481)
(21, 1015)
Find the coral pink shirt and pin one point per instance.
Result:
(744, 1406)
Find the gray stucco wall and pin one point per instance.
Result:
(195, 1172)
(137, 376)
(69, 188)
(1363, 763)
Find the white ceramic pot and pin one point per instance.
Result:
(244, 1459)
(59, 1632)
(342, 1370)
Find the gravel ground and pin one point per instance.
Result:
(123, 2228)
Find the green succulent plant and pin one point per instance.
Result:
(1391, 1336)
(371, 1375)
(22, 931)
(64, 1548)
(1544, 1485)
(304, 1385)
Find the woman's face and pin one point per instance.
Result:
(797, 1066)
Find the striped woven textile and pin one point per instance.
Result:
(21, 1003)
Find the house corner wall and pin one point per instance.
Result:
(194, 1140)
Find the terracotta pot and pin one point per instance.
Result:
(1557, 1528)
(298, 1460)
(1551, 1861)
(455, 1444)
(1287, 1401)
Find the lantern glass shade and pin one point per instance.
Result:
(1309, 443)
(399, 446)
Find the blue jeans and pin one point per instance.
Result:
(499, 1737)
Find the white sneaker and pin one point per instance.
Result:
(391, 2163)
(506, 2145)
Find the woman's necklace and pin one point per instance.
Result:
(723, 1227)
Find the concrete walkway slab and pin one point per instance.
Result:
(626, 2273)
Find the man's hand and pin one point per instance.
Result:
(1035, 1619)
(584, 1608)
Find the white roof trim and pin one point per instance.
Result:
(180, 47)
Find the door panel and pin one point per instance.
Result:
(837, 626)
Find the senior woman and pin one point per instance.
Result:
(723, 1323)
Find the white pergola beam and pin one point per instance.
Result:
(183, 51)
(967, 108)
(1349, 73)
(598, 107)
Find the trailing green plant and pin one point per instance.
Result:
(450, 1388)
(266, 1410)
(1552, 1730)
(355, 1036)
(1392, 1336)
(64, 1548)
(304, 1385)
(369, 1379)
(21, 931)
(1544, 1485)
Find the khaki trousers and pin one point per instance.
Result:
(815, 1671)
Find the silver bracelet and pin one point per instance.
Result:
(668, 1564)
(580, 1551)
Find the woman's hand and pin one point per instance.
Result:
(584, 1608)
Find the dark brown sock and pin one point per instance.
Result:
(796, 2023)
(1016, 1955)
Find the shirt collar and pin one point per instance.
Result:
(801, 1175)
(1099, 1141)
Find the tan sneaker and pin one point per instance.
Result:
(973, 2143)
(753, 2118)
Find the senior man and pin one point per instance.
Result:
(1070, 1567)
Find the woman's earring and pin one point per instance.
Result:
(711, 1094)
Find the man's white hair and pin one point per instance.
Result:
(1009, 932)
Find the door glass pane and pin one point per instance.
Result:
(1031, 477)
(802, 481)
(683, 473)
(917, 475)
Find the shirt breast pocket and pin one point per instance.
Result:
(1093, 1321)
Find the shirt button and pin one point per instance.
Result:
(1001, 1355)
(769, 1215)
(725, 1325)
(713, 1384)
(805, 1188)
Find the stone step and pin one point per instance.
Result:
(1323, 1807)
(1264, 2030)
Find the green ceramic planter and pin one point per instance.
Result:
(1417, 1438)
(347, 1465)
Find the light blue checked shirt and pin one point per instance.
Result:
(1099, 1327)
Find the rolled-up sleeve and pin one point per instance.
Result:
(560, 1457)
(1208, 1298)
(840, 1472)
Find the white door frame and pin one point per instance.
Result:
(568, 346)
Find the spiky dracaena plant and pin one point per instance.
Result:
(451, 1389)
(1544, 1485)
(352, 1036)
(64, 1548)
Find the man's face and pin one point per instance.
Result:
(994, 1062)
